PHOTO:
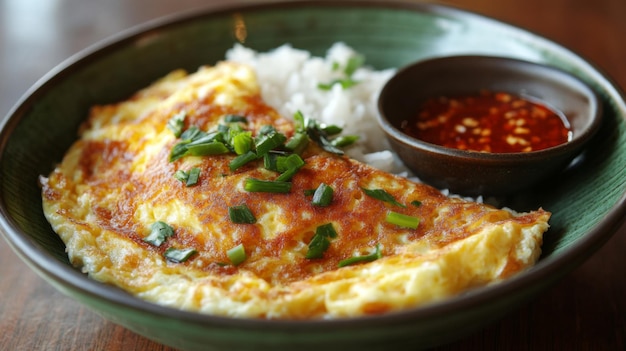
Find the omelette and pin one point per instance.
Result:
(197, 195)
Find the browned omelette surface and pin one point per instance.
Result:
(117, 180)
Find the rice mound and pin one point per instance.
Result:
(289, 80)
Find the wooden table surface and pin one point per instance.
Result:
(585, 311)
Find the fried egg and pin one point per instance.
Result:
(119, 179)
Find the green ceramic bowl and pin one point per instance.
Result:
(588, 200)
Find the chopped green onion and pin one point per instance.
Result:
(353, 64)
(267, 129)
(201, 137)
(331, 129)
(323, 196)
(366, 258)
(242, 142)
(192, 133)
(237, 255)
(344, 140)
(234, 129)
(287, 175)
(159, 232)
(189, 178)
(297, 143)
(321, 241)
(380, 194)
(289, 165)
(300, 122)
(416, 203)
(212, 148)
(194, 174)
(181, 175)
(345, 83)
(198, 143)
(267, 142)
(178, 255)
(176, 123)
(241, 214)
(179, 150)
(266, 186)
(335, 66)
(402, 220)
(223, 128)
(241, 160)
(284, 163)
(269, 161)
(235, 118)
(315, 131)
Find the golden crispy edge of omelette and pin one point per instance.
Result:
(117, 180)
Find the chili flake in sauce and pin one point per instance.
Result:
(489, 122)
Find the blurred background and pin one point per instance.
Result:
(37, 35)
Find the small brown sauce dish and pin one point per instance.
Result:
(482, 125)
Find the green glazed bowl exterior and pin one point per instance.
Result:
(587, 202)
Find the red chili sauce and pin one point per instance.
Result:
(489, 122)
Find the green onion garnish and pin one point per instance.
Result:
(223, 128)
(159, 232)
(237, 255)
(416, 203)
(266, 186)
(323, 196)
(189, 178)
(265, 143)
(267, 129)
(345, 83)
(194, 142)
(269, 161)
(366, 258)
(344, 140)
(299, 121)
(353, 64)
(380, 194)
(211, 148)
(176, 123)
(331, 129)
(289, 166)
(287, 175)
(241, 160)
(178, 151)
(297, 143)
(316, 132)
(242, 142)
(181, 175)
(402, 220)
(192, 133)
(235, 118)
(194, 174)
(179, 255)
(321, 241)
(284, 163)
(241, 214)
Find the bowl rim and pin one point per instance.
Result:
(49, 268)
(503, 63)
